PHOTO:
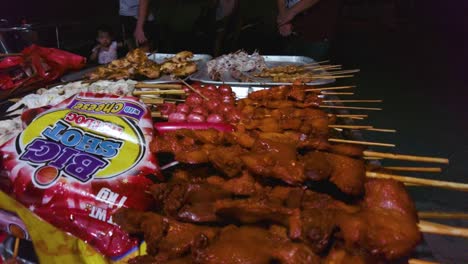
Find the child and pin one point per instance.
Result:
(106, 49)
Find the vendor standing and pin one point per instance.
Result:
(137, 22)
(308, 26)
(183, 25)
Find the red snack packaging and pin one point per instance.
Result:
(76, 163)
(37, 65)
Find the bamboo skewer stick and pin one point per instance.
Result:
(16, 248)
(343, 72)
(156, 96)
(382, 130)
(315, 63)
(142, 96)
(353, 101)
(361, 142)
(323, 67)
(159, 92)
(174, 100)
(349, 126)
(194, 90)
(351, 116)
(153, 100)
(350, 107)
(330, 88)
(337, 93)
(442, 215)
(434, 228)
(327, 76)
(419, 261)
(415, 169)
(326, 68)
(158, 114)
(159, 85)
(405, 157)
(324, 64)
(426, 182)
(318, 62)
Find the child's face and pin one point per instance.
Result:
(104, 38)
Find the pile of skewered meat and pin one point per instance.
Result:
(208, 103)
(235, 64)
(273, 191)
(180, 65)
(136, 64)
(239, 209)
(291, 73)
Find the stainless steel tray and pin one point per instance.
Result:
(78, 75)
(271, 61)
(200, 59)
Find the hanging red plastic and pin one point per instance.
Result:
(39, 65)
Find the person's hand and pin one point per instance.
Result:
(139, 35)
(285, 17)
(285, 30)
(97, 48)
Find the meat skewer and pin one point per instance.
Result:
(415, 169)
(295, 179)
(367, 143)
(442, 215)
(317, 62)
(350, 127)
(329, 88)
(382, 130)
(350, 107)
(324, 67)
(351, 116)
(342, 72)
(434, 228)
(419, 181)
(336, 93)
(352, 101)
(369, 153)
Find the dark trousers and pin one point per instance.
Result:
(128, 25)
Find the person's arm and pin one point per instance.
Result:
(139, 33)
(295, 10)
(281, 6)
(95, 53)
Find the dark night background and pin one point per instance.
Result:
(417, 65)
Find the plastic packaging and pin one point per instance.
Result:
(77, 162)
(37, 65)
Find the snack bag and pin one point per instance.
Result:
(37, 64)
(76, 163)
